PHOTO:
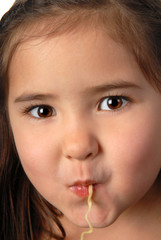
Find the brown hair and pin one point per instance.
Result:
(24, 214)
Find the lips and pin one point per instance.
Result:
(80, 188)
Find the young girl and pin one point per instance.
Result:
(80, 106)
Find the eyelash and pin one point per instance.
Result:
(27, 110)
(112, 97)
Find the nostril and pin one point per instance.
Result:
(79, 158)
(89, 155)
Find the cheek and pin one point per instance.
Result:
(133, 153)
(38, 154)
(138, 157)
(40, 160)
(143, 144)
(137, 141)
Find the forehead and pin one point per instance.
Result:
(78, 54)
(59, 31)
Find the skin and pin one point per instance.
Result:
(85, 139)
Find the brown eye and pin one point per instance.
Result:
(112, 103)
(42, 111)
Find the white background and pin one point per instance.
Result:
(4, 6)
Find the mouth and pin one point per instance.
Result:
(81, 188)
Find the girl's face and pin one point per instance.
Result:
(82, 113)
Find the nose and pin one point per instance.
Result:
(79, 145)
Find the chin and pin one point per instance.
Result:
(97, 219)
(103, 221)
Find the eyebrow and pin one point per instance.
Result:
(113, 86)
(34, 96)
(25, 97)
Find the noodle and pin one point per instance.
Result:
(86, 216)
